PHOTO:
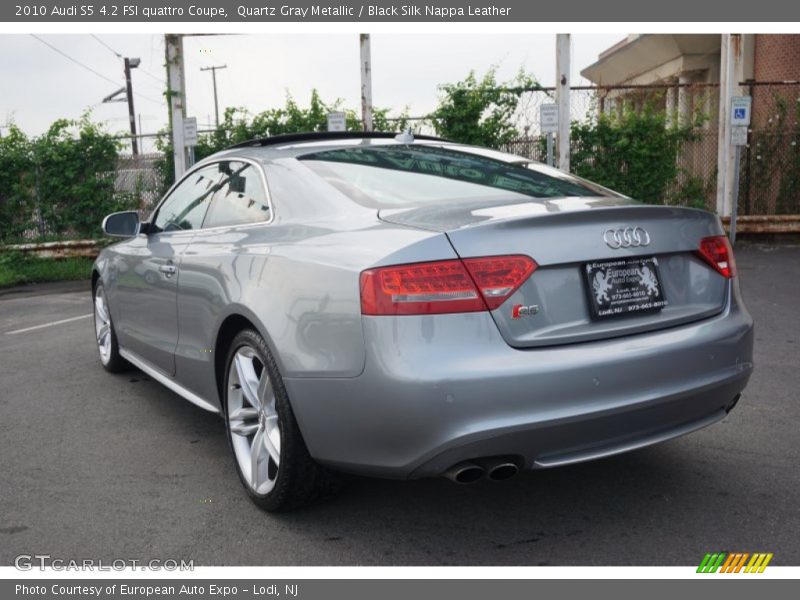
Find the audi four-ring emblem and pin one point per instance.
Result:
(626, 237)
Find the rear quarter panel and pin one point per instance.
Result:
(298, 283)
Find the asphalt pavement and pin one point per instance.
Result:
(103, 466)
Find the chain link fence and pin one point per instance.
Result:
(770, 163)
(139, 178)
(769, 169)
(137, 183)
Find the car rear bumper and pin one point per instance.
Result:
(437, 390)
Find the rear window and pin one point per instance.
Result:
(390, 176)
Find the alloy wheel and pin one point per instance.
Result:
(253, 420)
(102, 325)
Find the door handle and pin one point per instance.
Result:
(168, 270)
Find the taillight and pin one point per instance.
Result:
(497, 277)
(445, 286)
(717, 252)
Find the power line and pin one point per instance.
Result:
(138, 95)
(77, 62)
(88, 68)
(117, 54)
(158, 79)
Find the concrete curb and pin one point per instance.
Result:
(41, 289)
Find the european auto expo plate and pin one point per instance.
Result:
(624, 287)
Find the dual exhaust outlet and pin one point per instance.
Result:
(470, 471)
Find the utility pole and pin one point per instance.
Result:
(731, 73)
(366, 82)
(562, 98)
(131, 63)
(176, 97)
(214, 80)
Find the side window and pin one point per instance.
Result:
(241, 197)
(186, 206)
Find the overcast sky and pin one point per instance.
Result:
(39, 85)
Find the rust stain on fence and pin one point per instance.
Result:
(765, 224)
(65, 249)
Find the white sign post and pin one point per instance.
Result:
(739, 121)
(548, 123)
(337, 121)
(190, 136)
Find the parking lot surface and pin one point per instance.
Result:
(116, 466)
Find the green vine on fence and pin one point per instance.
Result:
(634, 151)
(775, 160)
(57, 185)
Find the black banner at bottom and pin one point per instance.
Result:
(392, 589)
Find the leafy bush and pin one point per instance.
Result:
(481, 112)
(694, 191)
(51, 182)
(239, 125)
(17, 268)
(634, 152)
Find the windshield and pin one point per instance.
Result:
(392, 176)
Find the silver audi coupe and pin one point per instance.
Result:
(410, 307)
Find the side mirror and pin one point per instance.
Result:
(122, 224)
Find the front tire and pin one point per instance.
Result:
(105, 336)
(271, 458)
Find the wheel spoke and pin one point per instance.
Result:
(247, 379)
(237, 421)
(265, 395)
(102, 334)
(244, 429)
(100, 307)
(256, 453)
(240, 414)
(271, 431)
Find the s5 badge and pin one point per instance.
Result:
(520, 310)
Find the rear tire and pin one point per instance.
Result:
(271, 458)
(105, 336)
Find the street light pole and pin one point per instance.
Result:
(131, 63)
(214, 81)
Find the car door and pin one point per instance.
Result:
(150, 270)
(224, 254)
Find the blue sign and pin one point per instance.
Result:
(740, 110)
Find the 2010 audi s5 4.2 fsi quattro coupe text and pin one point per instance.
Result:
(405, 308)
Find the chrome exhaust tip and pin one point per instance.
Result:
(503, 470)
(465, 472)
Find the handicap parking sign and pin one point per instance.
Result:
(740, 111)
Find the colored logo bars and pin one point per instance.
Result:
(734, 562)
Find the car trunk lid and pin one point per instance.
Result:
(570, 241)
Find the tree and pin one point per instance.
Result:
(239, 125)
(481, 112)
